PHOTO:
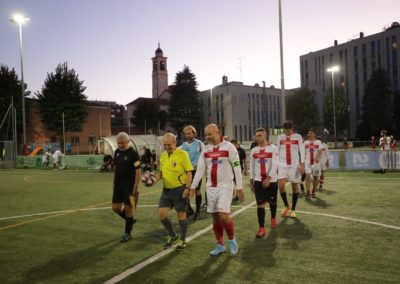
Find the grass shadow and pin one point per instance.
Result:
(294, 231)
(258, 253)
(208, 271)
(328, 192)
(70, 262)
(318, 202)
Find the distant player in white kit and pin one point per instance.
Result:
(291, 165)
(324, 162)
(264, 160)
(313, 152)
(384, 144)
(219, 158)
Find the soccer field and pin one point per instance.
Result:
(58, 227)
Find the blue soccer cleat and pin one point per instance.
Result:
(233, 246)
(218, 250)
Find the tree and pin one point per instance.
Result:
(376, 105)
(302, 109)
(184, 103)
(341, 111)
(10, 87)
(63, 92)
(149, 115)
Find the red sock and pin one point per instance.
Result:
(219, 232)
(229, 229)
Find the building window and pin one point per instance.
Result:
(75, 140)
(92, 140)
(162, 65)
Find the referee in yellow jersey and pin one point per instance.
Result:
(176, 172)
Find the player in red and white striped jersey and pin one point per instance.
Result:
(219, 158)
(264, 160)
(313, 152)
(291, 165)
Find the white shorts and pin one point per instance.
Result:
(314, 170)
(324, 167)
(219, 199)
(292, 173)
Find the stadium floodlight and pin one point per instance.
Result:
(333, 69)
(19, 20)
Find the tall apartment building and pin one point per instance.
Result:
(356, 59)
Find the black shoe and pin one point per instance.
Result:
(196, 216)
(236, 198)
(126, 238)
(189, 213)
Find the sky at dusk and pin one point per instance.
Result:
(110, 43)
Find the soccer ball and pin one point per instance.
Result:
(149, 178)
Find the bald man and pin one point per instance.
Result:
(176, 173)
(219, 158)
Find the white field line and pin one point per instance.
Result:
(65, 211)
(159, 255)
(233, 206)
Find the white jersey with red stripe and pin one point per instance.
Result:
(325, 153)
(264, 162)
(311, 151)
(291, 150)
(384, 143)
(219, 160)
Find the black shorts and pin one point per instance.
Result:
(264, 195)
(172, 198)
(199, 185)
(121, 194)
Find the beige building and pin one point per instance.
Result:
(240, 109)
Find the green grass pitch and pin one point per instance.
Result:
(78, 241)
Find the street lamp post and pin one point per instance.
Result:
(283, 99)
(19, 20)
(333, 69)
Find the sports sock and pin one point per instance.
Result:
(128, 225)
(294, 200)
(284, 198)
(218, 232)
(198, 202)
(184, 225)
(229, 228)
(321, 181)
(122, 214)
(168, 226)
(273, 207)
(261, 216)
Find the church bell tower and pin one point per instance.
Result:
(160, 73)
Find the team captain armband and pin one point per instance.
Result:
(136, 164)
(235, 164)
